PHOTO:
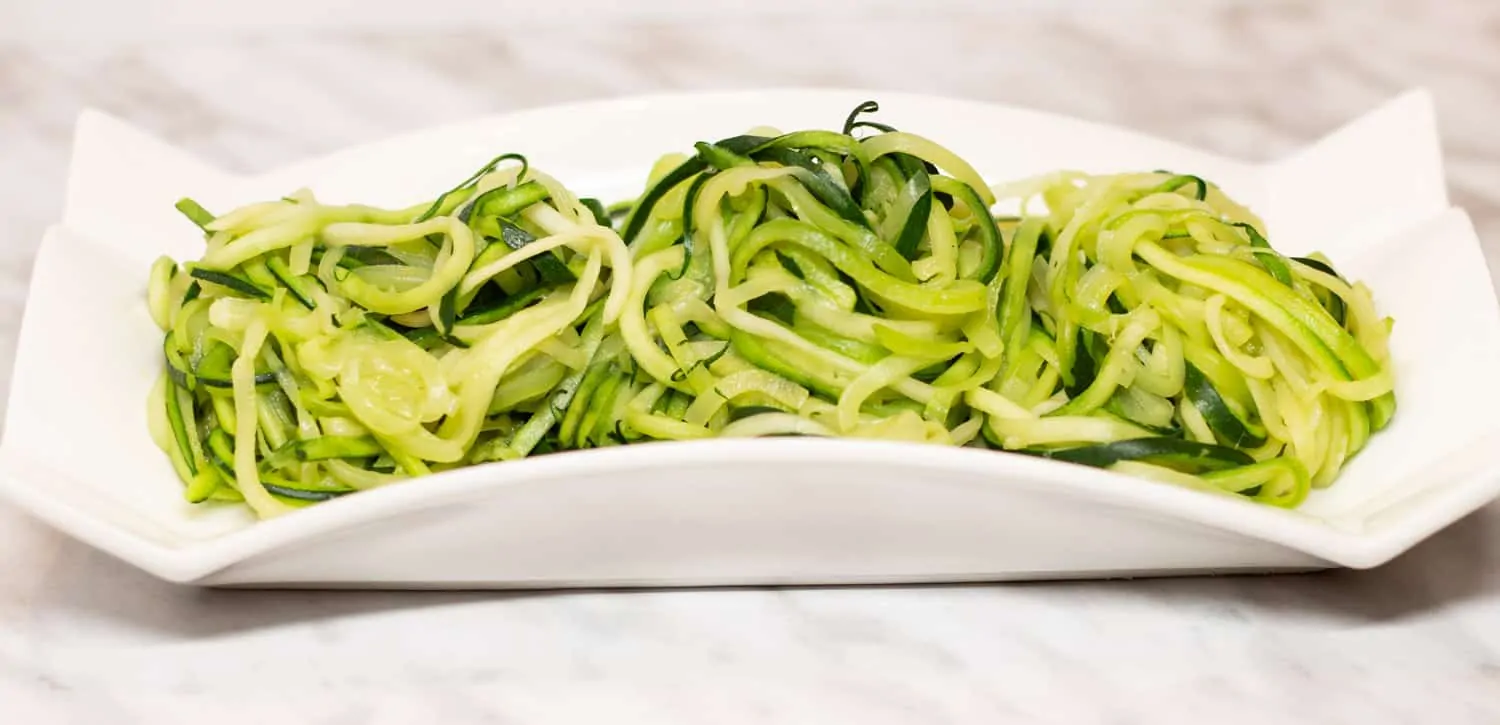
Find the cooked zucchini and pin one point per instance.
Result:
(853, 283)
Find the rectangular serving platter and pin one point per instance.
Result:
(76, 451)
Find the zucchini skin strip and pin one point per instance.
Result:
(1190, 454)
(1227, 426)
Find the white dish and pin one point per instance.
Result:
(77, 454)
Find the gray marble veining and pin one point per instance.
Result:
(86, 639)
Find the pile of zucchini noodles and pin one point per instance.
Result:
(821, 283)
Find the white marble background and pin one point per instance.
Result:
(84, 639)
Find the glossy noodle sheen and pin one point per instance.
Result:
(811, 283)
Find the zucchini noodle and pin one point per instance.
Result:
(813, 283)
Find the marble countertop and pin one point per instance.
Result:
(85, 639)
